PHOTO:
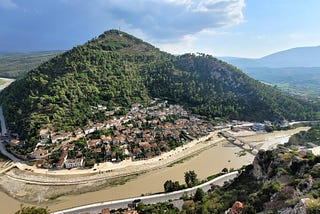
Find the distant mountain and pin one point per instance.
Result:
(295, 70)
(117, 69)
(295, 57)
(15, 65)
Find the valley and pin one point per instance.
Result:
(116, 118)
(210, 161)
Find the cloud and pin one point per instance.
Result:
(7, 4)
(61, 24)
(169, 19)
(181, 45)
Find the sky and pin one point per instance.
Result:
(241, 28)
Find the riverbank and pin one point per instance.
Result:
(150, 182)
(216, 154)
(5, 82)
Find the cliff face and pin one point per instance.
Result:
(290, 181)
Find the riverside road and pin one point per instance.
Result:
(152, 199)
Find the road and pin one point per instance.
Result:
(3, 123)
(152, 199)
(4, 131)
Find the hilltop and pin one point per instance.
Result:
(116, 70)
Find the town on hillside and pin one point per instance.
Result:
(136, 134)
(140, 133)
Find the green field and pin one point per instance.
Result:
(304, 81)
(2, 82)
(18, 64)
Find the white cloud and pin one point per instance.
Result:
(179, 46)
(167, 19)
(8, 4)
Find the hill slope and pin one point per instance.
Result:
(117, 69)
(16, 65)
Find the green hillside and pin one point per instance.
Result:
(16, 65)
(304, 81)
(117, 69)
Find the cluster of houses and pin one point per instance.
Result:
(11, 139)
(142, 133)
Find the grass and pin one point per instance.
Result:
(241, 153)
(54, 197)
(211, 177)
(2, 82)
(120, 181)
(109, 183)
(17, 65)
(182, 160)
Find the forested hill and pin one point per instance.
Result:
(117, 69)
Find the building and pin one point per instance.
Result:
(14, 143)
(44, 135)
(258, 127)
(315, 150)
(73, 163)
(39, 153)
(63, 157)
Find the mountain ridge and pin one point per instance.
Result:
(294, 57)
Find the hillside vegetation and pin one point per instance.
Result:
(278, 181)
(305, 137)
(16, 65)
(117, 69)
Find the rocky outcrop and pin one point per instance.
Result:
(299, 208)
(315, 171)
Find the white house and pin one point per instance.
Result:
(73, 163)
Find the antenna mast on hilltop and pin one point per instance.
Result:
(119, 31)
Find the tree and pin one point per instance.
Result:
(224, 170)
(170, 186)
(199, 195)
(32, 210)
(190, 178)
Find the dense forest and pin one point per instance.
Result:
(117, 69)
(16, 65)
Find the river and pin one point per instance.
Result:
(204, 164)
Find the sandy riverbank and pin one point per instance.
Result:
(268, 141)
(7, 82)
(109, 169)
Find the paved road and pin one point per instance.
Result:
(96, 208)
(4, 131)
(3, 123)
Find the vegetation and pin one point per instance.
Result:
(303, 137)
(303, 81)
(190, 178)
(117, 69)
(32, 210)
(16, 65)
(276, 182)
(171, 186)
